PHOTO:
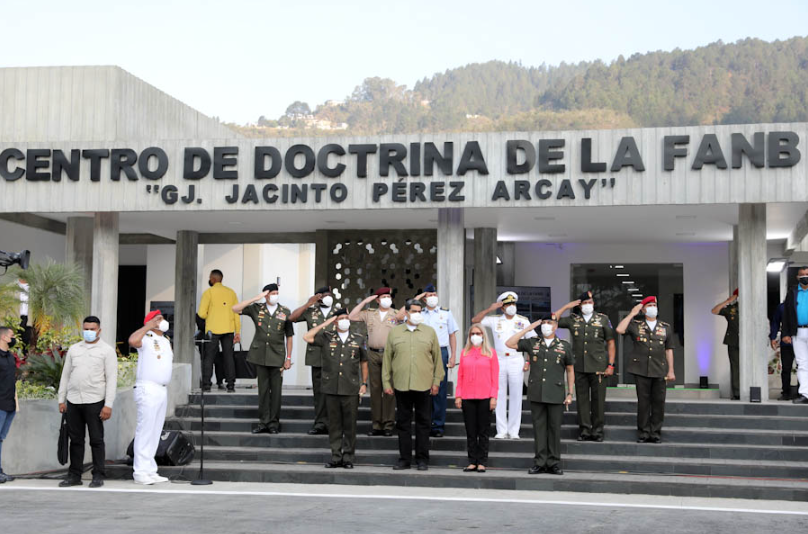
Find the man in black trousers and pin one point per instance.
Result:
(786, 355)
(86, 393)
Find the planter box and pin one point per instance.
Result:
(31, 443)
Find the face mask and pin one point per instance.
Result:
(803, 280)
(547, 330)
(587, 309)
(385, 302)
(476, 340)
(163, 326)
(328, 300)
(210, 283)
(90, 336)
(273, 299)
(651, 311)
(343, 325)
(12, 342)
(432, 302)
(415, 318)
(510, 310)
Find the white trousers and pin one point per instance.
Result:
(511, 379)
(151, 400)
(800, 343)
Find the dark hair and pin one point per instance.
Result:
(217, 272)
(4, 329)
(92, 319)
(803, 268)
(413, 302)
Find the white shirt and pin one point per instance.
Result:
(155, 359)
(651, 324)
(587, 317)
(410, 327)
(548, 342)
(325, 311)
(383, 313)
(504, 329)
(343, 335)
(271, 308)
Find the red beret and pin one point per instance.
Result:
(648, 300)
(735, 293)
(151, 316)
(382, 291)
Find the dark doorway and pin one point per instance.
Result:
(131, 302)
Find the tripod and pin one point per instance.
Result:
(201, 480)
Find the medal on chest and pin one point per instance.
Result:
(157, 349)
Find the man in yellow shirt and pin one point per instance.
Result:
(222, 326)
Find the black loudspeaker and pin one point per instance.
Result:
(704, 382)
(754, 394)
(174, 449)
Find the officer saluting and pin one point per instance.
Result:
(443, 322)
(345, 377)
(593, 345)
(651, 363)
(549, 358)
(269, 353)
(318, 308)
(729, 310)
(511, 363)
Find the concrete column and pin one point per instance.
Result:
(752, 289)
(451, 251)
(733, 261)
(485, 268)
(506, 271)
(321, 254)
(104, 291)
(79, 251)
(185, 277)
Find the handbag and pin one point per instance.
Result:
(63, 446)
(244, 369)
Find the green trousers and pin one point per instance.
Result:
(591, 397)
(320, 415)
(342, 411)
(270, 381)
(547, 432)
(734, 363)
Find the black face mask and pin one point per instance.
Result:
(803, 280)
(12, 342)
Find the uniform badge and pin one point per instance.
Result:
(535, 358)
(661, 331)
(281, 316)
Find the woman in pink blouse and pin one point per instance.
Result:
(477, 387)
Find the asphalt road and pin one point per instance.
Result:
(36, 507)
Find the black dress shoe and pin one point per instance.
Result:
(469, 469)
(333, 465)
(536, 469)
(206, 389)
(70, 481)
(735, 397)
(784, 397)
(5, 478)
(97, 482)
(584, 437)
(317, 431)
(388, 432)
(273, 431)
(347, 465)
(800, 400)
(555, 470)
(642, 440)
(260, 429)
(230, 390)
(423, 467)
(654, 439)
(219, 386)
(376, 432)
(436, 434)
(400, 466)
(598, 439)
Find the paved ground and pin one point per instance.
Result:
(37, 506)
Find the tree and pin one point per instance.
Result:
(297, 108)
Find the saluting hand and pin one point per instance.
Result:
(314, 298)
(636, 309)
(154, 324)
(261, 296)
(420, 296)
(572, 304)
(495, 306)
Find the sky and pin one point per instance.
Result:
(241, 59)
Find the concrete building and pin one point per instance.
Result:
(101, 168)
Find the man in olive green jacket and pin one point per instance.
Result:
(412, 361)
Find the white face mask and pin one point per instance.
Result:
(476, 340)
(343, 325)
(651, 312)
(416, 318)
(546, 330)
(163, 326)
(385, 302)
(273, 299)
(510, 310)
(432, 302)
(328, 300)
(587, 309)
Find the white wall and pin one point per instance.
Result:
(705, 267)
(42, 244)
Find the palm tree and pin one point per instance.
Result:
(56, 298)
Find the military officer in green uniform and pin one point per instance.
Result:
(594, 348)
(318, 308)
(651, 363)
(548, 358)
(270, 352)
(345, 380)
(729, 310)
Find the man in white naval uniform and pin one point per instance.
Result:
(154, 365)
(511, 363)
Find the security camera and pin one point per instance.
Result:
(7, 259)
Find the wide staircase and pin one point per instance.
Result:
(710, 448)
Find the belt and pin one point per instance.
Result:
(511, 353)
(375, 350)
(152, 383)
